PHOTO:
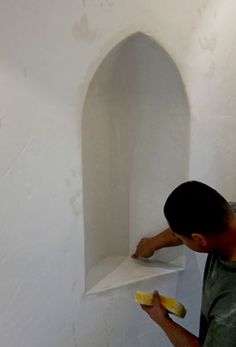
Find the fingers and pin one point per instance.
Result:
(143, 249)
(156, 309)
(157, 312)
(145, 308)
(156, 295)
(138, 251)
(135, 255)
(156, 302)
(156, 298)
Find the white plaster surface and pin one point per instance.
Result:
(135, 147)
(126, 272)
(50, 51)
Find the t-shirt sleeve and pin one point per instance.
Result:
(220, 333)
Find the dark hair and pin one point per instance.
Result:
(195, 207)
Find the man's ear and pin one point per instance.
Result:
(199, 239)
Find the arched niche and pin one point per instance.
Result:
(135, 150)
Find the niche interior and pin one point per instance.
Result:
(135, 150)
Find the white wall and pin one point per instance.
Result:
(49, 52)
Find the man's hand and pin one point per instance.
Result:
(145, 248)
(148, 245)
(157, 312)
(179, 336)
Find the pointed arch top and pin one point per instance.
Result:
(118, 41)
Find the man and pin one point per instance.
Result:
(201, 218)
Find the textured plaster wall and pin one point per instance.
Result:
(49, 52)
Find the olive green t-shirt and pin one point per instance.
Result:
(218, 314)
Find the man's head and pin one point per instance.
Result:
(198, 214)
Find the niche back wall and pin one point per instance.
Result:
(135, 138)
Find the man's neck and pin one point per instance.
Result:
(227, 241)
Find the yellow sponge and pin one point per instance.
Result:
(171, 305)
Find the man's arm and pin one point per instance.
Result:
(178, 336)
(147, 246)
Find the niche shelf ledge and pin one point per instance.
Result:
(127, 272)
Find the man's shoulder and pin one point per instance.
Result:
(224, 310)
(232, 204)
